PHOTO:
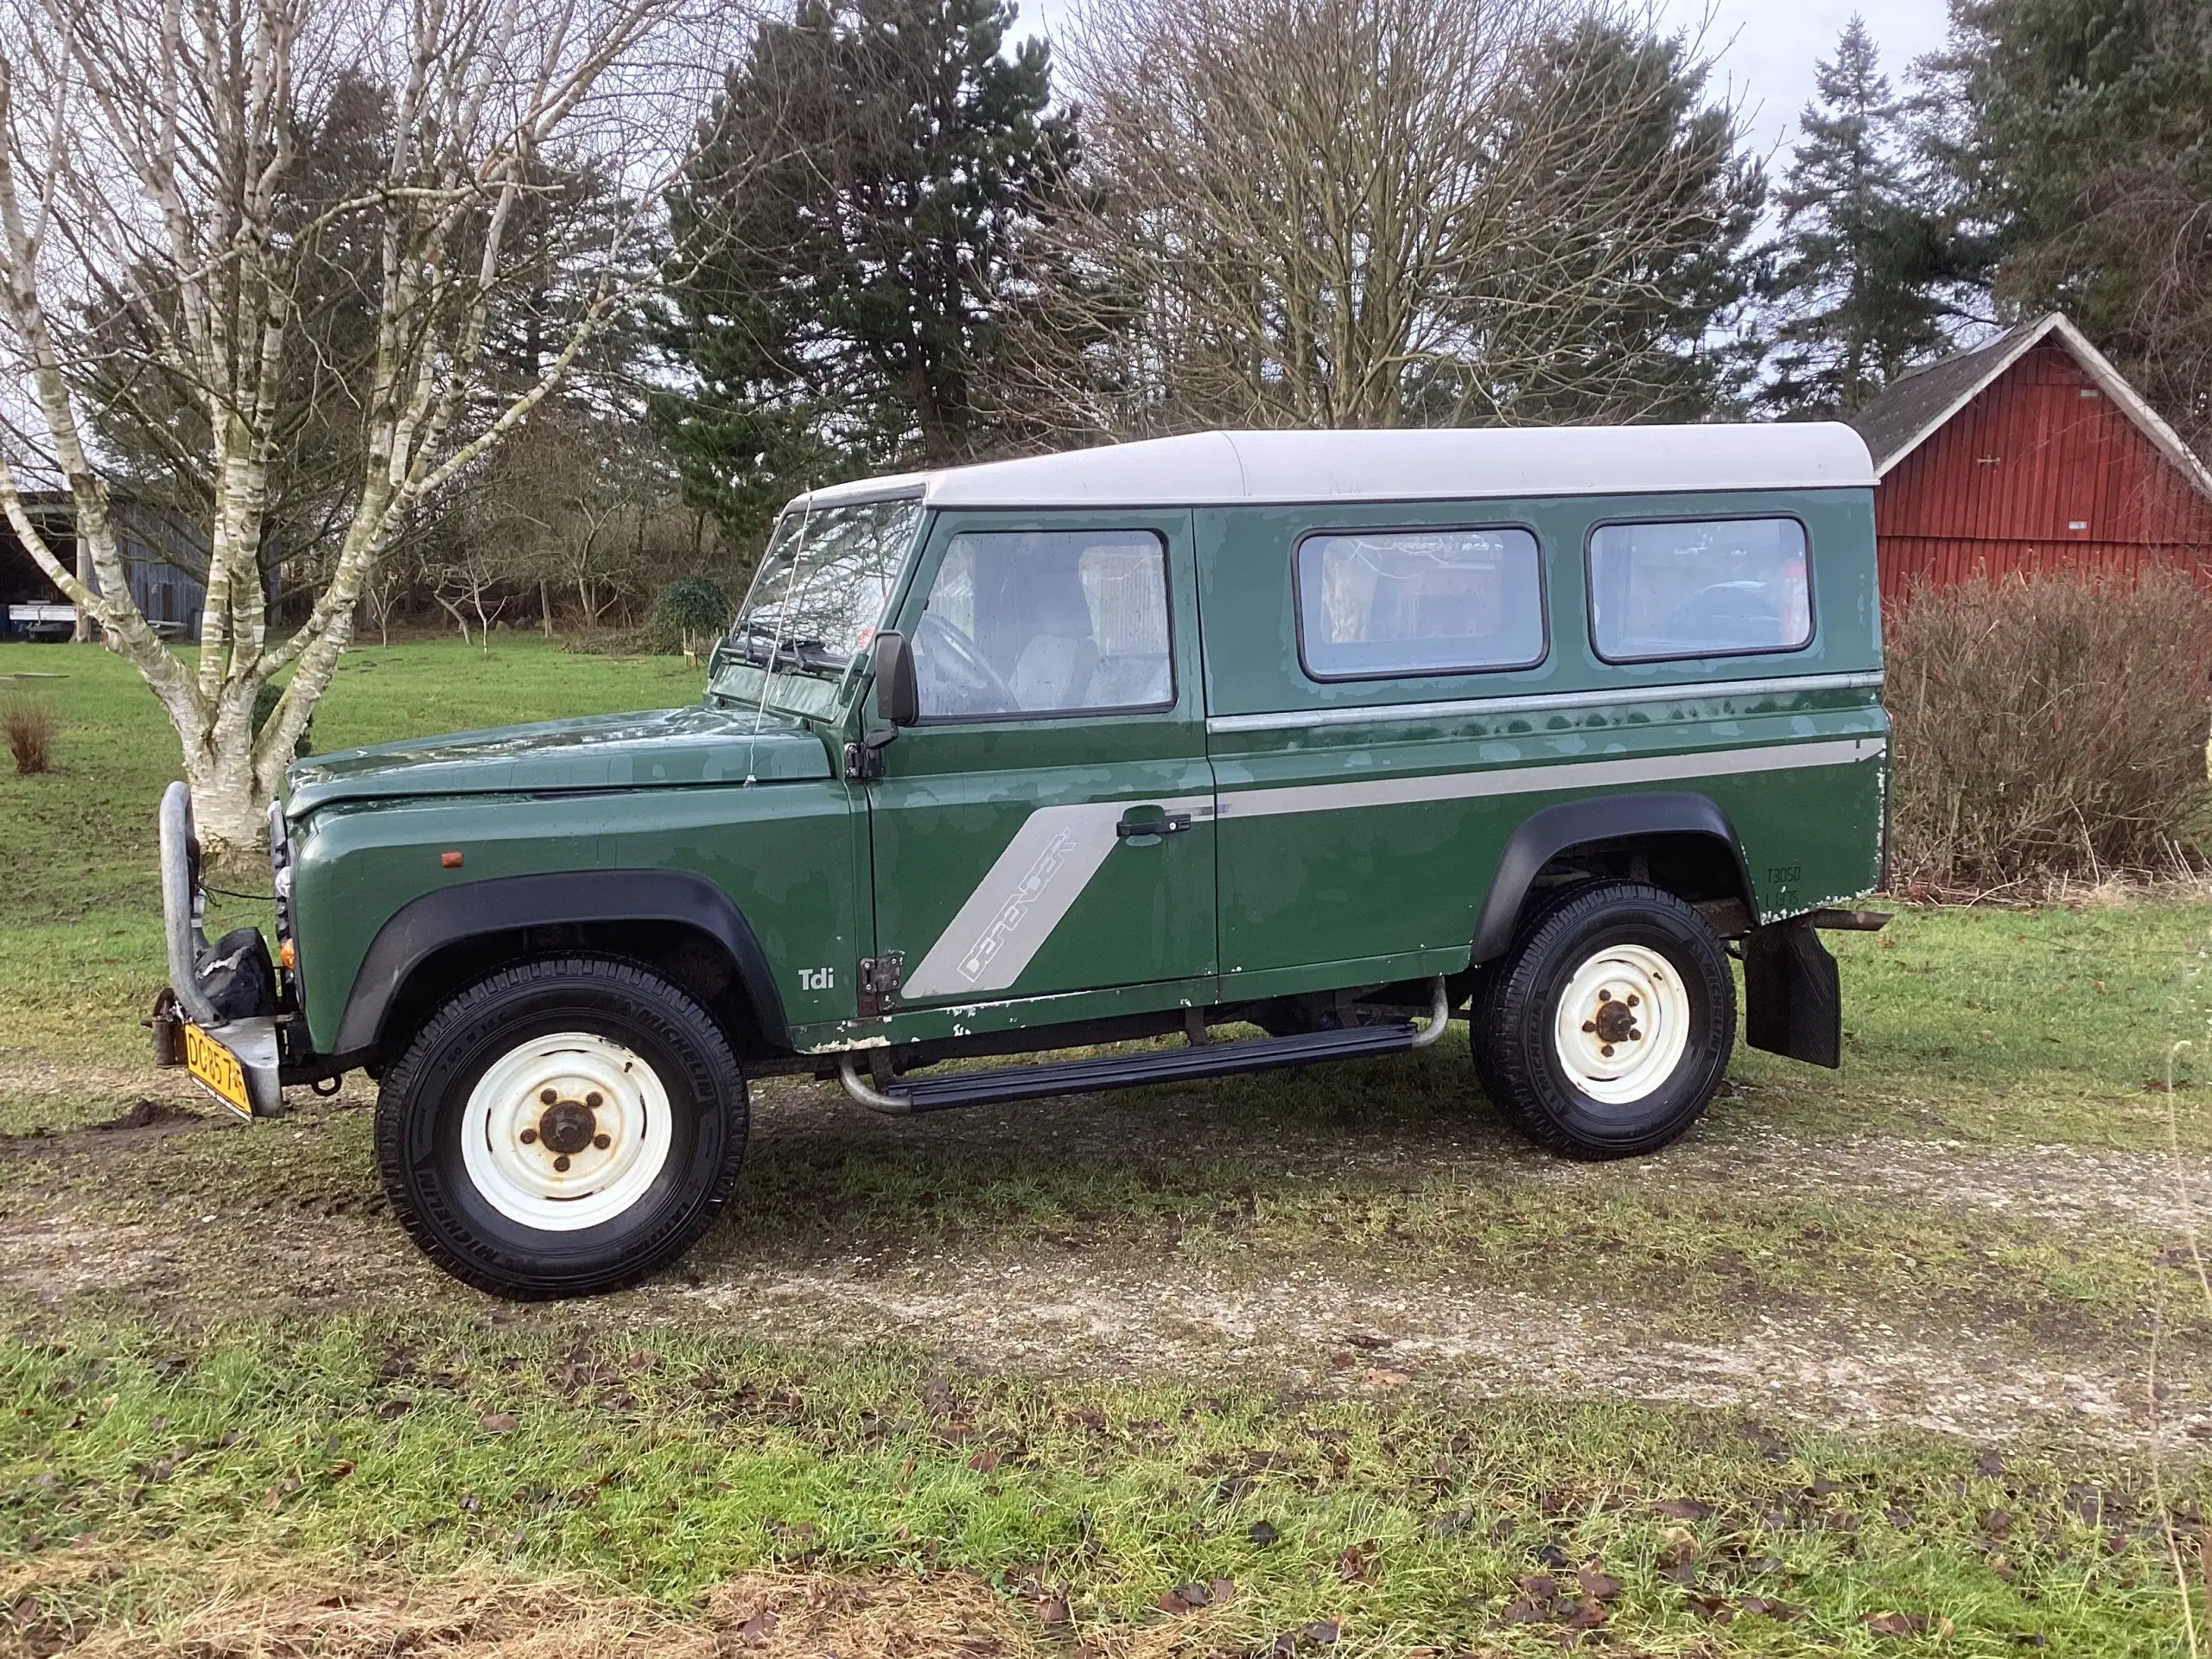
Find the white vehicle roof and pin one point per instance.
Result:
(1220, 468)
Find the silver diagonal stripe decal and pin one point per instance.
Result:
(1023, 896)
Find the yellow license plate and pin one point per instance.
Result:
(216, 1069)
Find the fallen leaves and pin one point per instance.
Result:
(756, 1631)
(1599, 1586)
(1188, 1598)
(1543, 1600)
(1767, 1607)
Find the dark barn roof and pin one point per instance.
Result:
(1917, 404)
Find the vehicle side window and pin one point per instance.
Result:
(1043, 622)
(1707, 588)
(1386, 604)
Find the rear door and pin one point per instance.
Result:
(1047, 828)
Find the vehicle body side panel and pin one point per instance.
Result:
(1367, 882)
(782, 852)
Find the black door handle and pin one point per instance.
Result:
(1173, 824)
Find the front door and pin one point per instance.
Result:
(1048, 826)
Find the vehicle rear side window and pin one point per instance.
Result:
(1712, 588)
(1388, 604)
(1043, 622)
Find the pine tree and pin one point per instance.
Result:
(1664, 172)
(1860, 262)
(850, 242)
(2079, 138)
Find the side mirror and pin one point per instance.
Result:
(897, 694)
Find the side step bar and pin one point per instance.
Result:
(1135, 1071)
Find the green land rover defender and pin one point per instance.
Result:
(1208, 754)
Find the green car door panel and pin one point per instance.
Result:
(785, 854)
(1047, 828)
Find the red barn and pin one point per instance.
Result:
(2030, 454)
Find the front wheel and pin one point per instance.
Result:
(562, 1127)
(1603, 1032)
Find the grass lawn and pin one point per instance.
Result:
(1294, 1341)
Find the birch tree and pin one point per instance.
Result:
(149, 148)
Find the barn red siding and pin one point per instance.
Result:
(2002, 486)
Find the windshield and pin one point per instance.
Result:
(816, 601)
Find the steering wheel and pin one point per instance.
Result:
(955, 677)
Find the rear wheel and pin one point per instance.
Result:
(562, 1127)
(1603, 1032)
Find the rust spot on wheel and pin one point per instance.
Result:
(1614, 1022)
(568, 1126)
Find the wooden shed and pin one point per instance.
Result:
(164, 560)
(2030, 454)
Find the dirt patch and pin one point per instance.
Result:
(1332, 1331)
(1325, 1328)
(310, 1237)
(144, 1120)
(2069, 1187)
(182, 1605)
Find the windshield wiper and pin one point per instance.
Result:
(750, 642)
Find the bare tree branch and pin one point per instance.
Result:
(161, 137)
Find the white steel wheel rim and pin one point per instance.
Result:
(565, 1131)
(1623, 1024)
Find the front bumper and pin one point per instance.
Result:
(252, 1039)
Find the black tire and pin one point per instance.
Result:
(1517, 1013)
(624, 1007)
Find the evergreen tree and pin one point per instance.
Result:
(850, 241)
(1860, 266)
(1661, 178)
(2079, 137)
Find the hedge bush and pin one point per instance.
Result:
(2047, 727)
(689, 614)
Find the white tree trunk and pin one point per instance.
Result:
(155, 148)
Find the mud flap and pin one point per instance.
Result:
(1793, 998)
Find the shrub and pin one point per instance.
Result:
(30, 730)
(2047, 727)
(689, 612)
(264, 704)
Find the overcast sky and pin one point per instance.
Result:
(1769, 46)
